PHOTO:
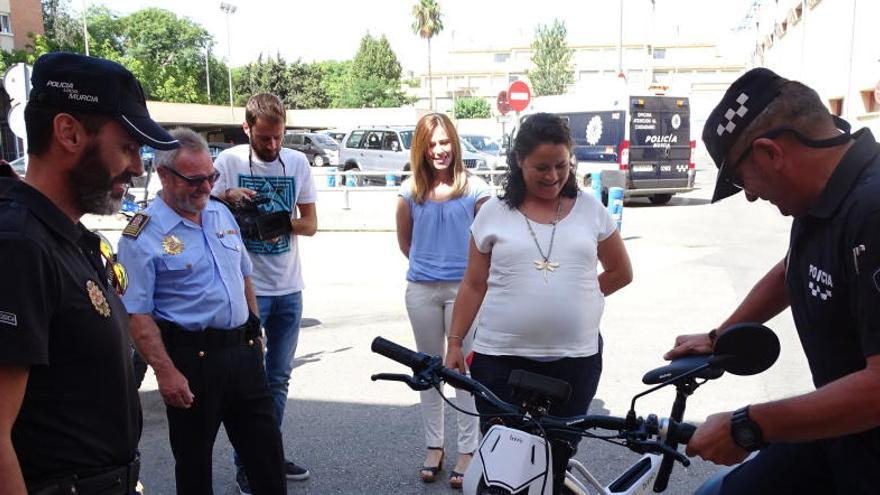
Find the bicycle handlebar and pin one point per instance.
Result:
(429, 370)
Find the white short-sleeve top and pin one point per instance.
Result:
(538, 313)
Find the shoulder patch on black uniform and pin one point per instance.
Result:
(136, 225)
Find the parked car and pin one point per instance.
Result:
(385, 149)
(320, 149)
(484, 144)
(337, 135)
(19, 165)
(215, 148)
(491, 162)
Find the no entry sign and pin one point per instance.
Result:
(519, 95)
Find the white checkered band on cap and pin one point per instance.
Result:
(740, 112)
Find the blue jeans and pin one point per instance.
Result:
(280, 317)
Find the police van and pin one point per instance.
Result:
(640, 143)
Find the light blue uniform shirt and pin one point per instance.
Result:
(196, 285)
(441, 231)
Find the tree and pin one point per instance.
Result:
(428, 23)
(298, 85)
(472, 107)
(334, 78)
(375, 76)
(552, 60)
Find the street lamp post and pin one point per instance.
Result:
(229, 9)
(208, 70)
(85, 28)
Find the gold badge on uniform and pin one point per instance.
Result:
(172, 245)
(99, 302)
(136, 225)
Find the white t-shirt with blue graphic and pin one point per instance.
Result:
(283, 183)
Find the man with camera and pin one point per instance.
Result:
(271, 190)
(193, 316)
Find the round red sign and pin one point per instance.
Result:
(519, 95)
(502, 104)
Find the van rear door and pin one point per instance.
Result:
(596, 137)
(660, 134)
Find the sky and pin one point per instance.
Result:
(332, 29)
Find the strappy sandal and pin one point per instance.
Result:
(429, 473)
(456, 479)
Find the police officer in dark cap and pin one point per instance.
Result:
(774, 139)
(70, 419)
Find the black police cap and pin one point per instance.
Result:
(77, 83)
(746, 98)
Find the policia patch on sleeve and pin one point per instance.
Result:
(136, 225)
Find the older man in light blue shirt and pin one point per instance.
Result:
(194, 318)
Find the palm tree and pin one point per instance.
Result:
(428, 23)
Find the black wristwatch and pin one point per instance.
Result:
(745, 432)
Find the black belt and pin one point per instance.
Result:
(121, 480)
(174, 335)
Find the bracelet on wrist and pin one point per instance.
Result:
(455, 337)
(713, 335)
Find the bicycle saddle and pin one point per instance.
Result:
(681, 366)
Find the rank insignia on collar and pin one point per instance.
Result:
(172, 245)
(99, 302)
(136, 225)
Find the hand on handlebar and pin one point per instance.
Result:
(712, 441)
(455, 358)
(685, 345)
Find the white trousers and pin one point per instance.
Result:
(429, 305)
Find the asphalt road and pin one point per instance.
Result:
(692, 261)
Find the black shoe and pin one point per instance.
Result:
(244, 488)
(295, 472)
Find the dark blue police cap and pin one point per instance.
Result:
(77, 83)
(746, 98)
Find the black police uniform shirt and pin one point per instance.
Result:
(61, 318)
(833, 269)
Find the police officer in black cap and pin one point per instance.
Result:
(774, 139)
(70, 419)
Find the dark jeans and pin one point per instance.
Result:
(230, 387)
(581, 373)
(849, 464)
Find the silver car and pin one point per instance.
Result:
(384, 149)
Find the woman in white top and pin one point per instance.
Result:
(532, 274)
(434, 212)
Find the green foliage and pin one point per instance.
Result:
(472, 107)
(297, 84)
(334, 78)
(552, 60)
(375, 77)
(428, 20)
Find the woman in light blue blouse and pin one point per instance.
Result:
(434, 213)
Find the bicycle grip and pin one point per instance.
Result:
(402, 355)
(683, 433)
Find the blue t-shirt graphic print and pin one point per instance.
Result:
(279, 192)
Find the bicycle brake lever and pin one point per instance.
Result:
(655, 446)
(396, 377)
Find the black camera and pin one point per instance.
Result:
(256, 224)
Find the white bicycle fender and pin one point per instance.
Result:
(511, 459)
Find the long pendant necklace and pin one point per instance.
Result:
(545, 264)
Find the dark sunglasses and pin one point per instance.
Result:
(197, 180)
(732, 175)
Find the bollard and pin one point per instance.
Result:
(615, 205)
(331, 179)
(596, 181)
(350, 179)
(390, 180)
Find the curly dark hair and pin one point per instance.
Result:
(537, 129)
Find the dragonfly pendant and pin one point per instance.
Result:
(546, 266)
